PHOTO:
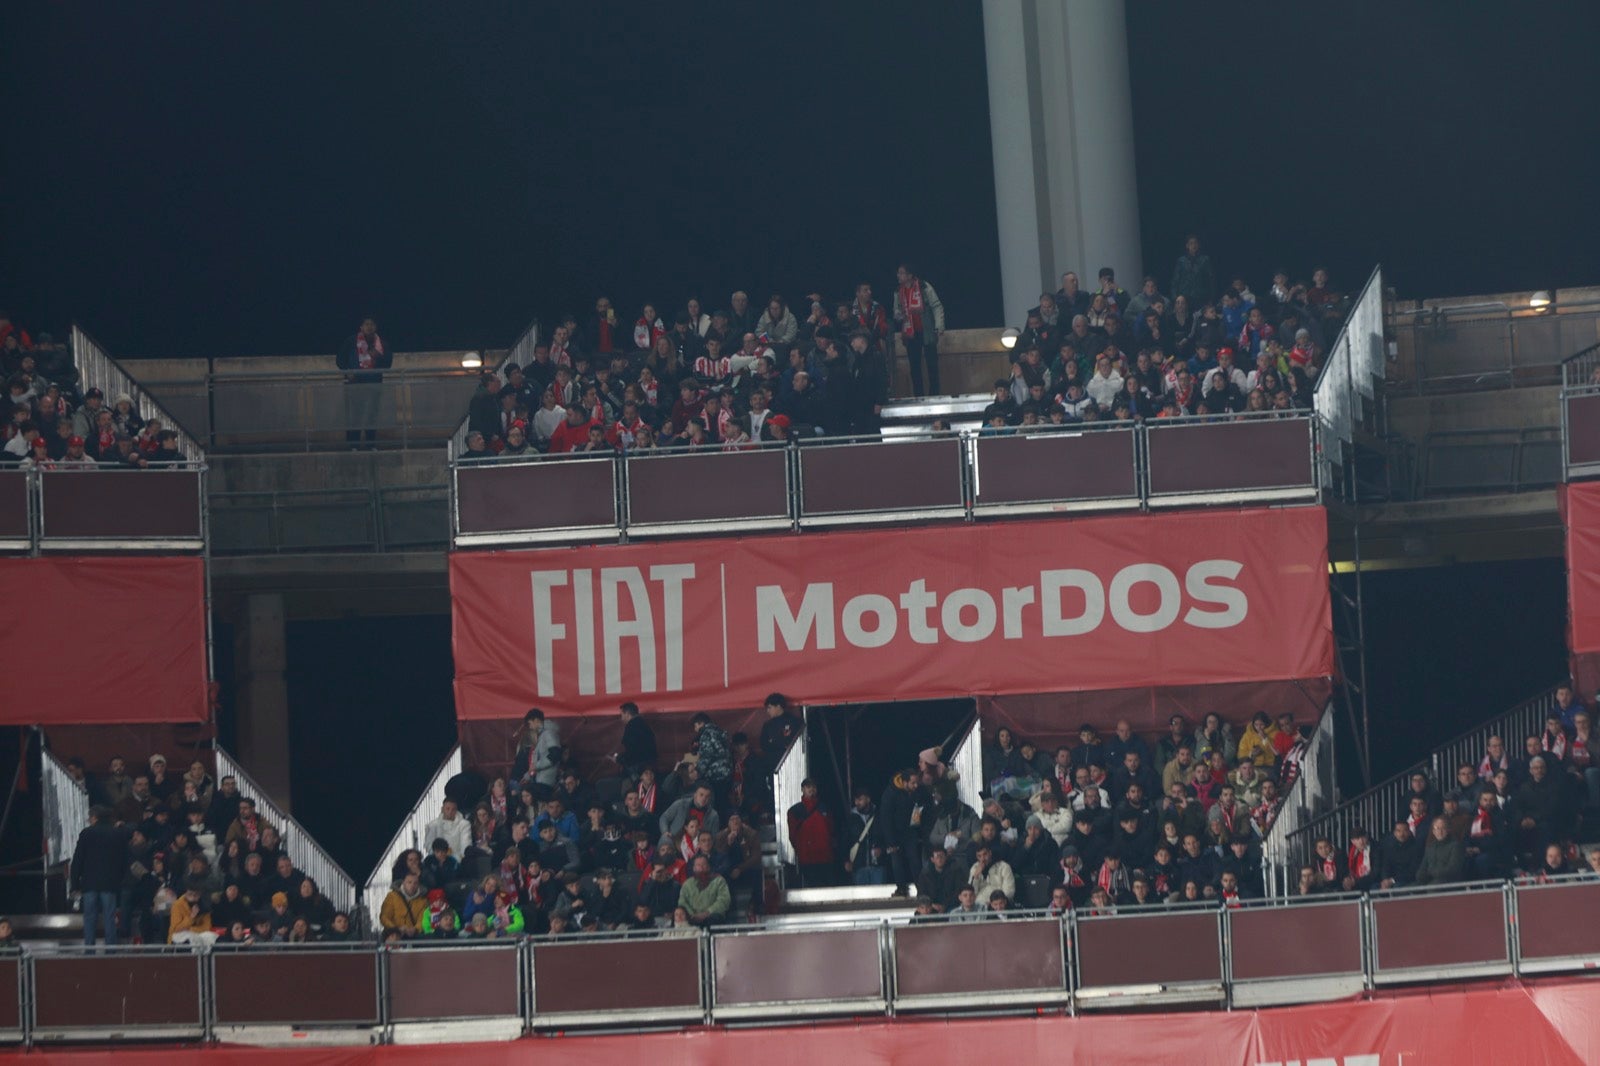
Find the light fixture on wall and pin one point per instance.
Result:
(472, 360)
(1539, 300)
(1008, 337)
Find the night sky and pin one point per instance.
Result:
(254, 178)
(204, 179)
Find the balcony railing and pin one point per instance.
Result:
(1262, 953)
(105, 509)
(1257, 458)
(392, 518)
(1580, 414)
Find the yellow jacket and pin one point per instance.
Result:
(398, 912)
(185, 919)
(1257, 746)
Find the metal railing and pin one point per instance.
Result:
(98, 370)
(830, 481)
(408, 836)
(1352, 370)
(1309, 796)
(66, 810)
(299, 411)
(1490, 460)
(967, 762)
(104, 508)
(786, 779)
(1126, 958)
(307, 854)
(313, 520)
(1378, 808)
(1490, 344)
(520, 353)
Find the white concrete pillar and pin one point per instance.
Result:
(1061, 130)
(263, 694)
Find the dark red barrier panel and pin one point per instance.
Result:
(553, 494)
(1296, 952)
(1580, 502)
(14, 532)
(815, 972)
(121, 507)
(300, 987)
(1420, 938)
(838, 480)
(1149, 951)
(1583, 432)
(1224, 459)
(973, 963)
(1555, 927)
(654, 978)
(744, 490)
(81, 996)
(434, 984)
(1056, 467)
(146, 617)
(10, 996)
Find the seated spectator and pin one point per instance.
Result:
(450, 827)
(705, 896)
(190, 919)
(1444, 859)
(403, 908)
(1399, 857)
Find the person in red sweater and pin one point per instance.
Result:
(573, 433)
(811, 833)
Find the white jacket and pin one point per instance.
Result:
(1103, 390)
(457, 832)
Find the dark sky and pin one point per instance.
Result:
(253, 178)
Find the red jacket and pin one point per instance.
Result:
(567, 437)
(811, 832)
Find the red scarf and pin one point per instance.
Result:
(1330, 870)
(1482, 824)
(647, 798)
(1556, 747)
(1230, 897)
(1360, 861)
(1415, 824)
(365, 353)
(645, 333)
(1488, 766)
(1072, 878)
(911, 304)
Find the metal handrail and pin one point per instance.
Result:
(407, 836)
(98, 369)
(521, 352)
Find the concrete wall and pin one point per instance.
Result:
(299, 471)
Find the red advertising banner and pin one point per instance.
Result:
(1061, 605)
(1581, 509)
(103, 639)
(1528, 1024)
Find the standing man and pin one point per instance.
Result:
(920, 318)
(716, 757)
(779, 731)
(897, 831)
(867, 316)
(364, 357)
(98, 867)
(811, 834)
(1193, 275)
(638, 742)
(538, 749)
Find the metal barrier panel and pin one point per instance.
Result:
(10, 998)
(1440, 937)
(449, 983)
(1582, 414)
(295, 987)
(15, 528)
(138, 993)
(117, 506)
(582, 981)
(1555, 926)
(796, 974)
(739, 490)
(1204, 461)
(973, 964)
(1296, 952)
(886, 480)
(1055, 470)
(542, 496)
(1157, 956)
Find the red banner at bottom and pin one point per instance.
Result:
(1550, 1022)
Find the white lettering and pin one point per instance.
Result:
(855, 611)
(1012, 602)
(1165, 581)
(641, 627)
(583, 622)
(1052, 583)
(672, 579)
(1233, 602)
(816, 613)
(959, 600)
(545, 631)
(916, 601)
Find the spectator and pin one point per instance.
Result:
(705, 896)
(715, 757)
(863, 855)
(403, 908)
(919, 317)
(363, 357)
(698, 805)
(99, 863)
(780, 728)
(1399, 857)
(190, 919)
(1444, 858)
(811, 831)
(1258, 743)
(638, 742)
(777, 325)
(451, 828)
(538, 754)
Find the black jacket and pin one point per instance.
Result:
(893, 828)
(777, 734)
(941, 886)
(347, 360)
(638, 745)
(101, 860)
(1399, 862)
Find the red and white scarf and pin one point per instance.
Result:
(1556, 745)
(1329, 869)
(911, 304)
(645, 333)
(367, 353)
(1360, 861)
(1482, 824)
(647, 798)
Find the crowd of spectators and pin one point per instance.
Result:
(1204, 349)
(1528, 810)
(183, 859)
(53, 425)
(730, 378)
